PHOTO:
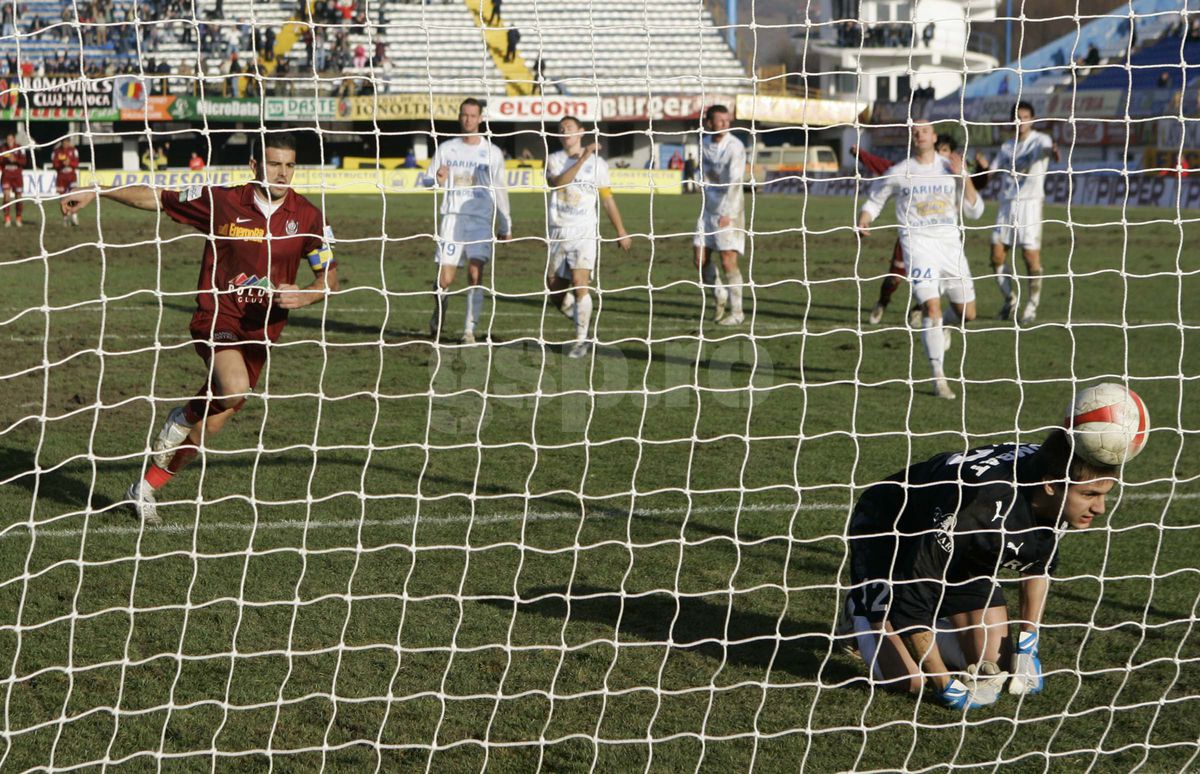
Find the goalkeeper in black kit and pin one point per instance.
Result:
(929, 547)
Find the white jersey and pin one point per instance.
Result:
(574, 208)
(477, 186)
(1022, 165)
(723, 168)
(927, 199)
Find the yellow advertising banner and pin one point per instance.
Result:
(315, 182)
(795, 111)
(400, 107)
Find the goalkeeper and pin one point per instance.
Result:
(258, 233)
(927, 546)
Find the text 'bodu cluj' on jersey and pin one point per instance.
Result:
(723, 167)
(1022, 165)
(476, 186)
(574, 207)
(928, 198)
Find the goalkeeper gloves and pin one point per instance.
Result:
(958, 695)
(1027, 667)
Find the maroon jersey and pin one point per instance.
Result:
(246, 256)
(12, 163)
(65, 162)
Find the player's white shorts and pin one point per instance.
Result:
(712, 236)
(937, 267)
(462, 239)
(1019, 222)
(571, 251)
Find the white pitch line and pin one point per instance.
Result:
(19, 529)
(16, 530)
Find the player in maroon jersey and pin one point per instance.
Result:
(13, 161)
(66, 166)
(877, 165)
(258, 234)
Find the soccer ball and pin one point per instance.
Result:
(1108, 423)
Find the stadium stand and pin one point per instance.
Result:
(404, 47)
(613, 47)
(1174, 54)
(1051, 65)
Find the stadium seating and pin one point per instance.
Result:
(1049, 67)
(625, 46)
(586, 48)
(1171, 54)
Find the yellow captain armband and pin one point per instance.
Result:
(605, 193)
(320, 259)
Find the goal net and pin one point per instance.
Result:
(592, 527)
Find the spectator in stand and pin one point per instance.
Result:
(283, 78)
(1194, 29)
(514, 37)
(233, 73)
(539, 75)
(360, 57)
(410, 159)
(689, 174)
(1093, 56)
(196, 162)
(380, 54)
(491, 21)
(1164, 79)
(154, 159)
(927, 34)
(269, 40)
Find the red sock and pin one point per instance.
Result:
(20, 209)
(890, 283)
(184, 454)
(157, 477)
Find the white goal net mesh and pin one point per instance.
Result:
(598, 518)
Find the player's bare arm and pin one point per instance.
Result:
(614, 216)
(864, 224)
(294, 297)
(958, 168)
(568, 175)
(140, 197)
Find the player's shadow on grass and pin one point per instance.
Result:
(55, 486)
(758, 640)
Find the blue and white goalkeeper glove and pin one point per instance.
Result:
(958, 695)
(1027, 667)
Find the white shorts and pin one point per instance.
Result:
(936, 267)
(464, 239)
(712, 236)
(1019, 222)
(571, 251)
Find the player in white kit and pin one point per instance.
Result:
(930, 190)
(722, 222)
(469, 170)
(578, 181)
(1023, 162)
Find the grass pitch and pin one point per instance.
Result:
(406, 556)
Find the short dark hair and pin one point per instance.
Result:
(713, 110)
(571, 118)
(470, 101)
(946, 139)
(1057, 461)
(276, 140)
(1023, 105)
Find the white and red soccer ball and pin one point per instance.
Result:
(1108, 423)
